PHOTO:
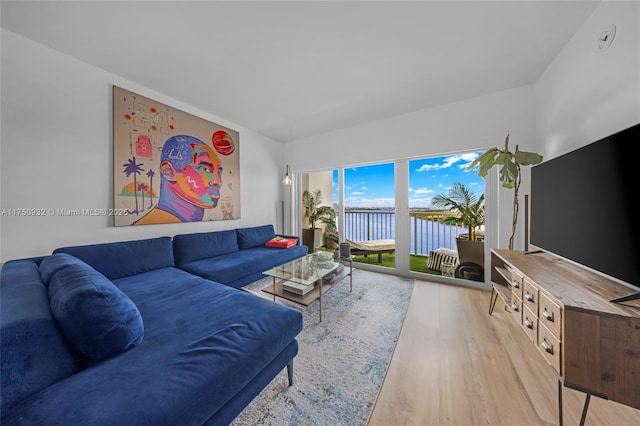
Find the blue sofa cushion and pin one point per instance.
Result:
(190, 247)
(33, 352)
(121, 259)
(52, 264)
(227, 269)
(97, 318)
(255, 236)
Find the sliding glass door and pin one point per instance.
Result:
(369, 213)
(390, 216)
(440, 190)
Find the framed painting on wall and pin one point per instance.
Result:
(171, 166)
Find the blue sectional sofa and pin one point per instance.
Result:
(116, 333)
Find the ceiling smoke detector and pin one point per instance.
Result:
(606, 38)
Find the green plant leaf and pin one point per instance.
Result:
(508, 174)
(466, 203)
(527, 158)
(311, 201)
(485, 162)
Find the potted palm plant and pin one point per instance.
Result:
(316, 214)
(510, 164)
(468, 208)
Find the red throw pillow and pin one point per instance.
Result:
(281, 242)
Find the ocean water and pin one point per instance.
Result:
(426, 235)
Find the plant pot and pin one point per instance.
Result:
(312, 238)
(470, 252)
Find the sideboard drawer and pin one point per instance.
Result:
(530, 295)
(516, 284)
(551, 315)
(516, 308)
(549, 346)
(530, 324)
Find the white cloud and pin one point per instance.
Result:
(463, 160)
(423, 191)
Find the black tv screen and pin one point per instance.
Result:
(582, 206)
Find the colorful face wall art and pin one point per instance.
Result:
(191, 175)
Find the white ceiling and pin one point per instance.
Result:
(297, 68)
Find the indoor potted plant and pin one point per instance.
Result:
(510, 164)
(469, 209)
(316, 213)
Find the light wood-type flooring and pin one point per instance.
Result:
(456, 365)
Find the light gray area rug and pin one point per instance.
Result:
(342, 361)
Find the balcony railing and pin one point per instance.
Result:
(427, 230)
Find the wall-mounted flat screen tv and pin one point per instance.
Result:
(583, 207)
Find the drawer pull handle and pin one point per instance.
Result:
(548, 315)
(516, 284)
(529, 296)
(528, 323)
(514, 305)
(547, 346)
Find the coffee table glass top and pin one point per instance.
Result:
(305, 270)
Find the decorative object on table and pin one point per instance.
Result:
(322, 259)
(342, 361)
(345, 250)
(510, 164)
(171, 166)
(316, 213)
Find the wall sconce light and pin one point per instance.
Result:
(287, 179)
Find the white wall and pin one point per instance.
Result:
(472, 124)
(588, 93)
(56, 136)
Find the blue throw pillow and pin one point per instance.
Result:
(96, 317)
(52, 264)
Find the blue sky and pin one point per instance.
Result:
(372, 185)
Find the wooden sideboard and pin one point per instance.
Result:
(592, 344)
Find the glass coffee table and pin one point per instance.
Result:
(306, 279)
